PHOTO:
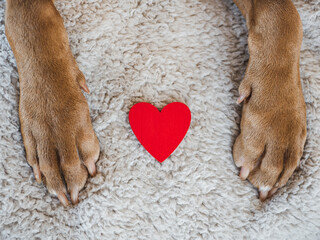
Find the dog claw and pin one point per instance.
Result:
(263, 195)
(272, 191)
(84, 87)
(37, 173)
(244, 173)
(63, 199)
(74, 196)
(241, 99)
(91, 166)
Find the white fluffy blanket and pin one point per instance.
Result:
(160, 51)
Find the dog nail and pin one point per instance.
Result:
(244, 173)
(38, 179)
(63, 199)
(263, 195)
(84, 87)
(37, 174)
(272, 191)
(240, 99)
(91, 168)
(75, 196)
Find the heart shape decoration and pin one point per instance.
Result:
(160, 133)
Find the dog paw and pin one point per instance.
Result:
(273, 134)
(60, 143)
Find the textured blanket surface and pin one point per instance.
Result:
(160, 51)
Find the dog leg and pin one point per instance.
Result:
(54, 114)
(273, 125)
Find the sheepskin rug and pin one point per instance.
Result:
(161, 51)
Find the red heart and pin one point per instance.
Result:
(160, 132)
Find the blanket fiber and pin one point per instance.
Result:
(161, 51)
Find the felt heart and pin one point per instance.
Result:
(160, 132)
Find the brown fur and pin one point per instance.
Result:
(273, 125)
(54, 114)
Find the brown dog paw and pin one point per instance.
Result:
(273, 134)
(60, 143)
(59, 140)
